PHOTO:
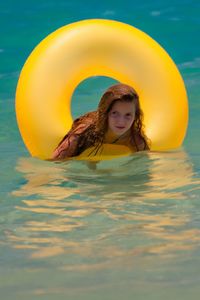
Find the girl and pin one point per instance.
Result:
(118, 120)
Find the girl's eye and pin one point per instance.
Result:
(113, 113)
(128, 115)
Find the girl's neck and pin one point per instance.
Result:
(111, 137)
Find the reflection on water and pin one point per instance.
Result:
(133, 206)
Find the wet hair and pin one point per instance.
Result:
(95, 124)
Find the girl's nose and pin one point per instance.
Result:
(121, 120)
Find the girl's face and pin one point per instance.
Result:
(121, 117)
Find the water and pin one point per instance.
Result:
(128, 228)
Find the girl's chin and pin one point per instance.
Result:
(119, 131)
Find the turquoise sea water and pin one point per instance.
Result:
(130, 229)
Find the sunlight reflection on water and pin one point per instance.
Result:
(130, 206)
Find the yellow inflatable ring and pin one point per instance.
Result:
(104, 48)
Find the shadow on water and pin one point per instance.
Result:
(139, 205)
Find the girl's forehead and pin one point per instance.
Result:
(123, 105)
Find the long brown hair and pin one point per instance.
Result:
(95, 124)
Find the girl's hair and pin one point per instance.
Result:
(95, 124)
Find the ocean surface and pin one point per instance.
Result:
(129, 229)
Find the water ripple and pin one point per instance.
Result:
(141, 204)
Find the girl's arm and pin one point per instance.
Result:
(66, 148)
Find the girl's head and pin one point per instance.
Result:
(119, 110)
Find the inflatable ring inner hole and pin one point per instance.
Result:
(88, 93)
